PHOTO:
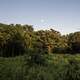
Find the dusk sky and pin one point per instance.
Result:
(61, 15)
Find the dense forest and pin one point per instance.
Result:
(26, 54)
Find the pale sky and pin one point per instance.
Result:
(61, 15)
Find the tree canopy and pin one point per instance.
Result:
(20, 39)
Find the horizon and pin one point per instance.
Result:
(60, 15)
(48, 28)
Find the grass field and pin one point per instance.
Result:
(59, 67)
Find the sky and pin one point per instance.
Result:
(61, 15)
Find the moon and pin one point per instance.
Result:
(42, 20)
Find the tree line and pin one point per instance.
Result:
(23, 39)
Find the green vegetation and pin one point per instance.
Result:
(26, 54)
(56, 67)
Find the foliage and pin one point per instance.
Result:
(74, 42)
(59, 67)
(26, 54)
(19, 39)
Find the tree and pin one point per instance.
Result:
(74, 42)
